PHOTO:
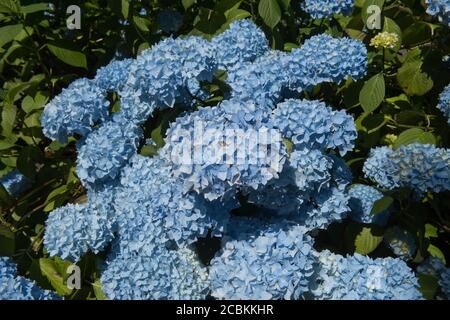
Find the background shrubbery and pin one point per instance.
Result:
(394, 105)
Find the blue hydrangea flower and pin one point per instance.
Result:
(160, 76)
(401, 242)
(215, 150)
(15, 183)
(421, 167)
(113, 76)
(275, 262)
(359, 277)
(151, 271)
(312, 124)
(242, 42)
(75, 110)
(444, 102)
(319, 9)
(275, 75)
(362, 199)
(151, 201)
(312, 168)
(170, 21)
(314, 207)
(441, 9)
(106, 150)
(74, 229)
(15, 287)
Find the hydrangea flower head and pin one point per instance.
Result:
(319, 9)
(362, 199)
(106, 150)
(420, 167)
(275, 262)
(113, 76)
(15, 287)
(242, 42)
(439, 8)
(362, 278)
(75, 110)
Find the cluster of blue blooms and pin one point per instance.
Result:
(362, 199)
(420, 167)
(15, 287)
(444, 102)
(441, 9)
(319, 9)
(360, 277)
(152, 210)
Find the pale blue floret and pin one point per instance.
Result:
(242, 42)
(319, 9)
(359, 277)
(151, 201)
(312, 124)
(420, 167)
(106, 150)
(401, 242)
(275, 261)
(75, 110)
(275, 75)
(444, 102)
(160, 76)
(15, 183)
(113, 76)
(150, 271)
(74, 229)
(362, 199)
(15, 287)
(441, 9)
(215, 132)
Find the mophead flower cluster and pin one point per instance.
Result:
(15, 287)
(441, 9)
(261, 145)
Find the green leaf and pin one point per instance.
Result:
(55, 270)
(288, 46)
(142, 23)
(188, 3)
(413, 80)
(8, 33)
(9, 6)
(372, 93)
(381, 205)
(430, 231)
(9, 112)
(366, 241)
(392, 27)
(285, 4)
(270, 12)
(32, 8)
(71, 57)
(436, 252)
(414, 135)
(236, 14)
(98, 291)
(125, 8)
(428, 285)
